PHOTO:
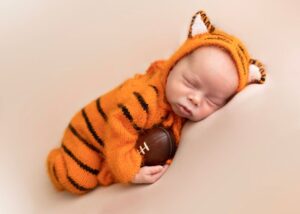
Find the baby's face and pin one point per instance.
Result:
(201, 83)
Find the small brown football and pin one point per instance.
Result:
(156, 145)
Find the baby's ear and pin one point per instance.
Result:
(200, 24)
(257, 72)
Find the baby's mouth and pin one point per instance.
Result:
(184, 110)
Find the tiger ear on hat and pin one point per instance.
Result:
(200, 24)
(257, 73)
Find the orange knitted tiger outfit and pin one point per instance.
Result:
(98, 146)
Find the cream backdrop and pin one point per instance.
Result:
(55, 56)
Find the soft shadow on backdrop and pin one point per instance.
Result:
(55, 56)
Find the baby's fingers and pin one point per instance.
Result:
(154, 169)
(154, 177)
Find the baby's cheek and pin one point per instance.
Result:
(178, 91)
(213, 110)
(204, 112)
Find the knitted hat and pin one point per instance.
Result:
(203, 33)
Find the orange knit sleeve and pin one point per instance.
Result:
(137, 109)
(122, 158)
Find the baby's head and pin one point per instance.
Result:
(201, 83)
(208, 70)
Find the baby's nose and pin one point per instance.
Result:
(196, 99)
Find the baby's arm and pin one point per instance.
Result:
(149, 174)
(136, 101)
(123, 159)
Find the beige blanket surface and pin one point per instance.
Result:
(55, 56)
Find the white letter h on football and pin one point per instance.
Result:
(142, 149)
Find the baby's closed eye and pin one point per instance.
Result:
(215, 102)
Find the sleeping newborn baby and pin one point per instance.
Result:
(98, 146)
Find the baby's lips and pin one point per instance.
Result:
(185, 110)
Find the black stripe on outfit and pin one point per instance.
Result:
(155, 88)
(100, 110)
(141, 101)
(82, 165)
(91, 146)
(223, 39)
(77, 186)
(128, 115)
(91, 128)
(125, 112)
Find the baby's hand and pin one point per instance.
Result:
(149, 174)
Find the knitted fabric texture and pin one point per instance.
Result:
(98, 146)
(203, 33)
